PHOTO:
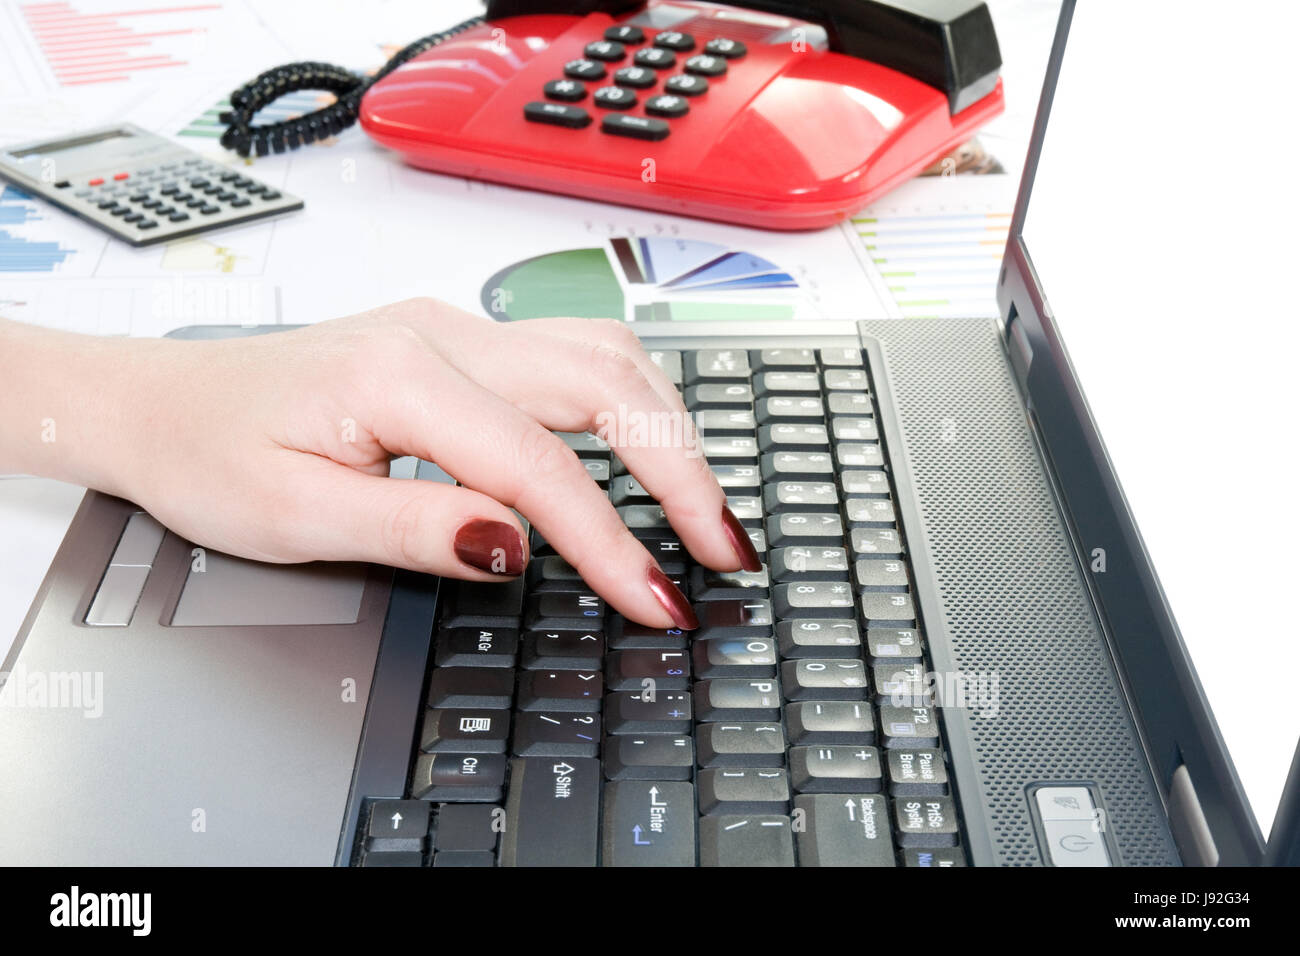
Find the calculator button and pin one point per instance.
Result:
(97, 181)
(212, 190)
(254, 188)
(722, 46)
(240, 203)
(667, 105)
(146, 224)
(169, 190)
(198, 182)
(228, 177)
(139, 197)
(83, 193)
(120, 176)
(62, 184)
(625, 34)
(182, 197)
(637, 127)
(686, 85)
(573, 117)
(656, 57)
(107, 204)
(584, 70)
(614, 98)
(675, 40)
(119, 210)
(705, 65)
(196, 202)
(570, 91)
(271, 194)
(132, 217)
(637, 77)
(164, 210)
(179, 216)
(147, 171)
(151, 203)
(605, 50)
(193, 162)
(225, 195)
(209, 209)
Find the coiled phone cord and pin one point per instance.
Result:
(246, 139)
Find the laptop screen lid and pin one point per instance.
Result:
(1153, 235)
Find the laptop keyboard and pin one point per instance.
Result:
(794, 727)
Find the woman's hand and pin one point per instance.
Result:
(276, 447)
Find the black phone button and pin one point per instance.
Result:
(655, 57)
(557, 114)
(675, 40)
(614, 98)
(686, 85)
(605, 50)
(637, 77)
(625, 34)
(705, 65)
(637, 127)
(570, 91)
(667, 104)
(584, 70)
(723, 46)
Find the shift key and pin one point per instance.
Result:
(649, 823)
(551, 812)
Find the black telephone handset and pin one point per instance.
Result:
(947, 44)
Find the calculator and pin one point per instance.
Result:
(140, 187)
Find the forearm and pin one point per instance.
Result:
(66, 400)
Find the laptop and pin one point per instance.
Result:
(958, 651)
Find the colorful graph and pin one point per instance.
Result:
(939, 264)
(644, 279)
(110, 47)
(19, 253)
(208, 125)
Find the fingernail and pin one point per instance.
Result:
(673, 600)
(491, 546)
(740, 542)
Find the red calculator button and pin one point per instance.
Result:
(97, 181)
(121, 175)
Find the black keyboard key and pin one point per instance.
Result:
(648, 823)
(844, 428)
(819, 637)
(818, 599)
(725, 421)
(833, 768)
(402, 858)
(785, 436)
(741, 744)
(715, 365)
(859, 455)
(937, 857)
(843, 829)
(476, 647)
(624, 634)
(805, 529)
(891, 644)
(722, 395)
(902, 683)
(870, 513)
(464, 730)
(455, 778)
(567, 609)
(557, 114)
(888, 610)
(552, 812)
(880, 574)
(878, 542)
(919, 772)
(845, 379)
(646, 518)
(561, 690)
(864, 483)
(787, 383)
(541, 734)
(736, 478)
(481, 688)
(485, 604)
(562, 650)
(790, 408)
(467, 828)
(553, 574)
(398, 825)
(646, 713)
(824, 679)
(635, 127)
(849, 403)
(664, 669)
(739, 618)
(753, 657)
(841, 357)
(907, 727)
(744, 790)
(848, 722)
(785, 360)
(797, 465)
(649, 757)
(710, 585)
(801, 496)
(925, 821)
(756, 839)
(804, 563)
(732, 699)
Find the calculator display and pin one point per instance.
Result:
(47, 149)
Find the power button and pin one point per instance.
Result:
(1073, 826)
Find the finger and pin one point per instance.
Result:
(573, 384)
(421, 525)
(489, 445)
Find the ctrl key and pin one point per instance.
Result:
(557, 114)
(459, 778)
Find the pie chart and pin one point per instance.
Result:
(653, 279)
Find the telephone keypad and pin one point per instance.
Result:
(608, 50)
(637, 127)
(584, 70)
(656, 57)
(675, 40)
(666, 104)
(614, 98)
(705, 65)
(637, 77)
(625, 34)
(570, 91)
(686, 85)
(573, 117)
(724, 46)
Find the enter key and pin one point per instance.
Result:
(649, 823)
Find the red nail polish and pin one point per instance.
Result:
(673, 600)
(491, 546)
(740, 542)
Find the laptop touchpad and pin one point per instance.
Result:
(233, 591)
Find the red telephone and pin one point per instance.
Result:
(776, 115)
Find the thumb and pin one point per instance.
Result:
(408, 523)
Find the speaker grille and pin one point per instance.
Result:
(1005, 592)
